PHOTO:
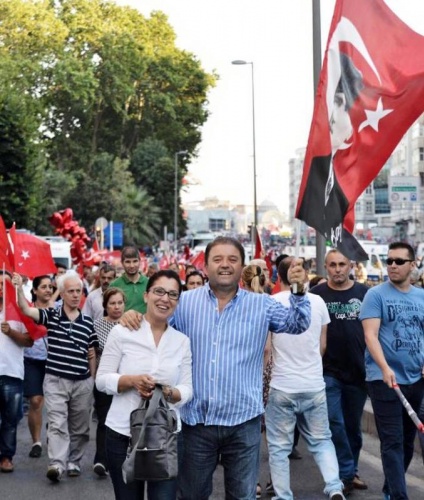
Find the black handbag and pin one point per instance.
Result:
(152, 453)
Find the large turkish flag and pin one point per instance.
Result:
(371, 90)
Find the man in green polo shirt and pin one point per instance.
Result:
(132, 282)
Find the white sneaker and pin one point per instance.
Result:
(73, 470)
(100, 469)
(54, 473)
(337, 495)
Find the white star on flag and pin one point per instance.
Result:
(373, 117)
(25, 254)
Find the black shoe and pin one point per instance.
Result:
(35, 451)
(270, 488)
(295, 455)
(348, 487)
(100, 469)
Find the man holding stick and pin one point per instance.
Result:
(393, 318)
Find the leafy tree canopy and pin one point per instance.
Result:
(89, 82)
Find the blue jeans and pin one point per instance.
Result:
(396, 432)
(11, 398)
(309, 409)
(238, 446)
(116, 453)
(345, 407)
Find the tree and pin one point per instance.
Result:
(92, 78)
(154, 170)
(142, 220)
(16, 174)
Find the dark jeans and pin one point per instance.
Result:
(102, 404)
(396, 432)
(239, 449)
(116, 453)
(11, 398)
(420, 434)
(345, 404)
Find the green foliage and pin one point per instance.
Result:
(154, 170)
(16, 174)
(88, 82)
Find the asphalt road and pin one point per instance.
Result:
(28, 481)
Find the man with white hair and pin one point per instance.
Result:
(68, 384)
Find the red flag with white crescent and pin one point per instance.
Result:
(33, 256)
(371, 91)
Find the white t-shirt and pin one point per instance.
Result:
(297, 359)
(135, 353)
(11, 355)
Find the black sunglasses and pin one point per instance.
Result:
(398, 262)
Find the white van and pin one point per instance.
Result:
(61, 250)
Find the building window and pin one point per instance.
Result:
(217, 224)
(421, 154)
(368, 190)
(368, 207)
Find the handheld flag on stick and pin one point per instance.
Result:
(408, 408)
(369, 94)
(32, 255)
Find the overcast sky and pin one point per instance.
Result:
(277, 36)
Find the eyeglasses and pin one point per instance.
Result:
(161, 292)
(398, 262)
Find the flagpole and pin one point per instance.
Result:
(316, 44)
(4, 291)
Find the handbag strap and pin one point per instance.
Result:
(153, 406)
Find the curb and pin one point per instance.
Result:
(368, 425)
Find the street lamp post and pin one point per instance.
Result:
(179, 153)
(255, 205)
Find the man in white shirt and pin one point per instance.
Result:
(13, 339)
(93, 306)
(297, 394)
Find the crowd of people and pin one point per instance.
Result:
(236, 354)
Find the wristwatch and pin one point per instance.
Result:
(170, 394)
(297, 289)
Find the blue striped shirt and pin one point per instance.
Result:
(228, 348)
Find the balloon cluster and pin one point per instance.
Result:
(69, 228)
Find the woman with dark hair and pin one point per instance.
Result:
(132, 363)
(114, 307)
(35, 366)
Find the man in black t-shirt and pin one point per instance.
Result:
(343, 365)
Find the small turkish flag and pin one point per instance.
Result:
(13, 312)
(199, 261)
(33, 256)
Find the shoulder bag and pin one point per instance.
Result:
(152, 453)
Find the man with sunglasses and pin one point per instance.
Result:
(393, 318)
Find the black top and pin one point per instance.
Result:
(344, 356)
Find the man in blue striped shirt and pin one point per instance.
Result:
(228, 327)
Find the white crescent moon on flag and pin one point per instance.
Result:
(345, 32)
